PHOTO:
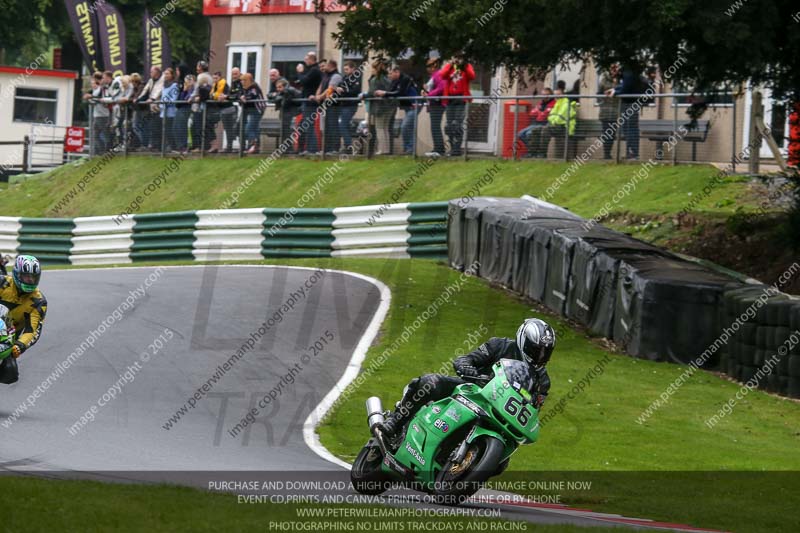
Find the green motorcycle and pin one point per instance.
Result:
(7, 334)
(450, 448)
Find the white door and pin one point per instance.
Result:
(246, 58)
(484, 112)
(776, 117)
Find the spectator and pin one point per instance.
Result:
(184, 111)
(151, 114)
(219, 93)
(403, 86)
(230, 113)
(169, 95)
(609, 108)
(202, 92)
(349, 88)
(101, 124)
(631, 84)
(380, 112)
(181, 71)
(332, 81)
(436, 87)
(531, 136)
(565, 111)
(274, 76)
(309, 78)
(458, 74)
(135, 114)
(254, 105)
(287, 102)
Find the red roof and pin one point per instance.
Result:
(42, 72)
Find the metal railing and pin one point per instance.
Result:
(624, 127)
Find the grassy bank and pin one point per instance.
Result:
(205, 184)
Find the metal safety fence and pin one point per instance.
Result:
(670, 128)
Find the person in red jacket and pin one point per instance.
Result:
(531, 136)
(457, 74)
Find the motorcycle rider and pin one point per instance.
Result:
(534, 345)
(27, 308)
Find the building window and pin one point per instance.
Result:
(35, 105)
(246, 59)
(286, 57)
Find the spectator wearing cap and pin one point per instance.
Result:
(379, 111)
(435, 87)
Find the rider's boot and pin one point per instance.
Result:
(404, 411)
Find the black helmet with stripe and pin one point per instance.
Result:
(536, 341)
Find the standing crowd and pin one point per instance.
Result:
(177, 111)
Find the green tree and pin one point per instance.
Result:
(718, 40)
(33, 27)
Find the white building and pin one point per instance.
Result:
(34, 102)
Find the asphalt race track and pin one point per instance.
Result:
(165, 334)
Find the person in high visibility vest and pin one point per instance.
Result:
(563, 114)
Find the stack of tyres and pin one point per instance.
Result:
(591, 297)
(667, 308)
(740, 307)
(471, 229)
(533, 240)
(497, 239)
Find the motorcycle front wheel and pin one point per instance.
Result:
(456, 482)
(366, 474)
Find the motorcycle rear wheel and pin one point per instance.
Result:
(456, 482)
(366, 474)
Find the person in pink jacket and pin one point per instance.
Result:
(457, 74)
(436, 86)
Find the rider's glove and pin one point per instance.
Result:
(16, 351)
(464, 367)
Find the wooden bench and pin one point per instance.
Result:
(658, 131)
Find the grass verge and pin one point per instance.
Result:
(737, 476)
(207, 183)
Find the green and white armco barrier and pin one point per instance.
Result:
(397, 230)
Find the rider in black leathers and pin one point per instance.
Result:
(534, 344)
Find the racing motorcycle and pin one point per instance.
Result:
(7, 333)
(451, 447)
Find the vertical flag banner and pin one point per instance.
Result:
(157, 51)
(84, 24)
(111, 37)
